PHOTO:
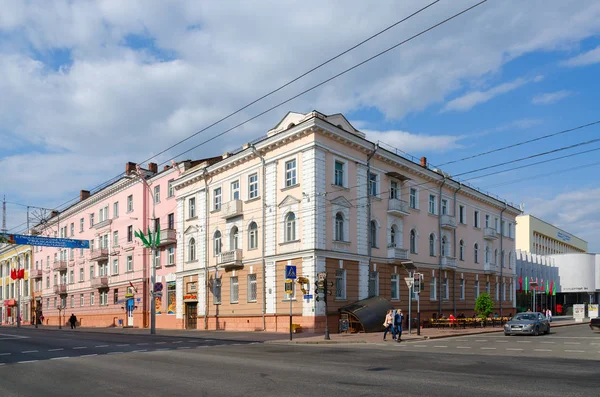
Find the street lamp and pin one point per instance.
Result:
(533, 284)
(410, 267)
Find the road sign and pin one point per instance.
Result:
(322, 276)
(157, 294)
(46, 241)
(158, 287)
(409, 281)
(290, 272)
(289, 289)
(308, 296)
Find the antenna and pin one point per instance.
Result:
(4, 230)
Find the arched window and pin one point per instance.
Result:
(192, 250)
(432, 244)
(339, 227)
(476, 253)
(413, 241)
(461, 250)
(503, 259)
(444, 248)
(253, 236)
(373, 234)
(290, 227)
(510, 259)
(487, 255)
(233, 238)
(393, 236)
(217, 242)
(496, 256)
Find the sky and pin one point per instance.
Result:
(88, 85)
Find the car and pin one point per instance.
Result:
(527, 323)
(595, 324)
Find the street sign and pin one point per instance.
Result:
(158, 287)
(322, 276)
(289, 289)
(290, 272)
(308, 296)
(46, 241)
(157, 294)
(409, 281)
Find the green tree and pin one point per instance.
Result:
(484, 306)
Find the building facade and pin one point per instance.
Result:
(316, 194)
(579, 279)
(541, 238)
(108, 284)
(538, 282)
(16, 291)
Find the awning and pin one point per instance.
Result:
(370, 312)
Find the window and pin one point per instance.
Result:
(487, 255)
(192, 250)
(487, 220)
(129, 234)
(235, 190)
(461, 250)
(170, 256)
(92, 273)
(497, 290)
(431, 244)
(504, 291)
(192, 207)
(130, 203)
(339, 227)
(340, 284)
(462, 289)
(497, 225)
(55, 302)
(115, 269)
(476, 218)
(170, 189)
(252, 288)
(432, 204)
(476, 289)
(103, 298)
(253, 186)
(116, 296)
(290, 173)
(393, 236)
(290, 227)
(92, 220)
(116, 210)
(433, 289)
(373, 284)
(171, 297)
(81, 300)
(373, 187)
(130, 263)
(157, 194)
(413, 198)
(91, 299)
(217, 291)
(476, 253)
(487, 287)
(234, 290)
(72, 229)
(116, 238)
(156, 223)
(103, 214)
(496, 256)
(461, 214)
(395, 287)
(233, 238)
(81, 225)
(171, 221)
(394, 192)
(510, 259)
(373, 234)
(217, 243)
(445, 247)
(445, 290)
(338, 177)
(71, 276)
(413, 241)
(47, 282)
(217, 199)
(253, 236)
(444, 206)
(157, 258)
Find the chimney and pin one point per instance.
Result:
(424, 162)
(166, 167)
(130, 168)
(153, 168)
(53, 213)
(83, 194)
(225, 155)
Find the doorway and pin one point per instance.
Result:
(191, 315)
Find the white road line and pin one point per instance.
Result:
(1, 364)
(159, 343)
(142, 344)
(481, 340)
(513, 349)
(463, 347)
(126, 344)
(193, 341)
(420, 345)
(440, 346)
(114, 353)
(549, 342)
(101, 346)
(572, 343)
(200, 347)
(5, 354)
(139, 351)
(487, 348)
(79, 348)
(542, 350)
(56, 350)
(59, 358)
(88, 355)
(163, 349)
(178, 341)
(26, 362)
(29, 351)
(523, 341)
(575, 351)
(501, 341)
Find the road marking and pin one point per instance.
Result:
(463, 347)
(88, 355)
(420, 345)
(114, 353)
(542, 350)
(101, 346)
(159, 343)
(575, 351)
(178, 341)
(548, 342)
(501, 341)
(141, 344)
(11, 336)
(487, 348)
(523, 341)
(193, 341)
(79, 347)
(1, 364)
(440, 346)
(126, 344)
(572, 343)
(29, 351)
(139, 351)
(59, 358)
(163, 349)
(56, 350)
(513, 349)
(481, 340)
(5, 354)
(183, 347)
(26, 362)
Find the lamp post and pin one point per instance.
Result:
(410, 267)
(533, 284)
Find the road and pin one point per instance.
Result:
(51, 363)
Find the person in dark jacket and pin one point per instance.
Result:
(398, 319)
(73, 321)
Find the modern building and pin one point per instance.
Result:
(538, 282)
(541, 238)
(579, 279)
(13, 292)
(315, 194)
(109, 284)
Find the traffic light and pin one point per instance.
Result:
(417, 283)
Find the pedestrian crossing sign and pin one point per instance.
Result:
(290, 272)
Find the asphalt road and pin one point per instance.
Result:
(118, 365)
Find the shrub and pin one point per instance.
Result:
(484, 306)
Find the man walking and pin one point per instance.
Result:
(398, 319)
(73, 321)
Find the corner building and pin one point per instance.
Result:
(316, 194)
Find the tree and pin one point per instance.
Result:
(484, 306)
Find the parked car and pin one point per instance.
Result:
(528, 323)
(595, 324)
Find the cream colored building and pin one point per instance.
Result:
(541, 238)
(13, 291)
(316, 194)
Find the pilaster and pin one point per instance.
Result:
(271, 208)
(362, 239)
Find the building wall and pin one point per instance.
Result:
(541, 238)
(23, 291)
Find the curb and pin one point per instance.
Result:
(320, 342)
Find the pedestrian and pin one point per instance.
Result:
(389, 324)
(549, 314)
(398, 319)
(73, 321)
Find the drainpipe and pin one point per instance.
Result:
(264, 234)
(454, 252)
(502, 257)
(440, 245)
(370, 249)
(206, 249)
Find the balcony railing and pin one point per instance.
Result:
(397, 253)
(99, 254)
(448, 222)
(35, 273)
(490, 267)
(448, 262)
(102, 224)
(59, 265)
(230, 259)
(489, 233)
(60, 289)
(397, 207)
(167, 236)
(99, 282)
(231, 209)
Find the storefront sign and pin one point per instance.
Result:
(10, 302)
(190, 297)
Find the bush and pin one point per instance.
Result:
(484, 306)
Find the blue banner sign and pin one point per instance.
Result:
(46, 241)
(563, 236)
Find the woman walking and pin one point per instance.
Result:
(389, 324)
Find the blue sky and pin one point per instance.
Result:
(120, 81)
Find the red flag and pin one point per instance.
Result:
(13, 274)
(135, 289)
(551, 286)
(21, 273)
(521, 283)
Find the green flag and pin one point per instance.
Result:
(141, 236)
(157, 236)
(554, 289)
(149, 236)
(527, 285)
(547, 290)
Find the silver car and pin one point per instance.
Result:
(529, 323)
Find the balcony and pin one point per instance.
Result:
(448, 262)
(35, 274)
(167, 236)
(397, 207)
(448, 222)
(231, 209)
(397, 253)
(99, 282)
(230, 259)
(100, 254)
(60, 266)
(60, 289)
(103, 224)
(489, 233)
(490, 268)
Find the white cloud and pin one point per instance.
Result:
(550, 97)
(415, 143)
(587, 58)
